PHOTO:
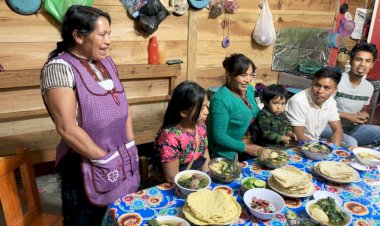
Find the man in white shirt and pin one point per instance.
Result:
(312, 109)
(353, 99)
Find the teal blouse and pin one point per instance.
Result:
(229, 119)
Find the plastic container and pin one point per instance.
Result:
(153, 51)
(347, 66)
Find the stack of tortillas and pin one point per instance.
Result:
(290, 180)
(205, 207)
(336, 170)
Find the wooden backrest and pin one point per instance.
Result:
(10, 192)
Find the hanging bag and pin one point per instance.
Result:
(58, 8)
(264, 33)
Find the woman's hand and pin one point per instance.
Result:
(253, 149)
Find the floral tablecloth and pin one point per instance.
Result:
(361, 199)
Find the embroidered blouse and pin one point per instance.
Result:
(175, 143)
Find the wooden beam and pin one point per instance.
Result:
(192, 45)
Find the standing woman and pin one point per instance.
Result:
(97, 158)
(232, 109)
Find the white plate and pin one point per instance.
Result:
(310, 193)
(355, 179)
(359, 166)
(324, 194)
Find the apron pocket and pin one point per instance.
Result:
(130, 158)
(107, 173)
(133, 155)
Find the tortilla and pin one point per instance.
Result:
(290, 176)
(290, 180)
(206, 207)
(336, 170)
(300, 190)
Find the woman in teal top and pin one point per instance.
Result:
(232, 109)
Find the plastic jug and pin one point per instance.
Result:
(153, 51)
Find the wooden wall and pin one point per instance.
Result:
(25, 42)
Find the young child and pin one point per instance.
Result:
(272, 126)
(182, 140)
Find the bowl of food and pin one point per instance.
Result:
(263, 203)
(327, 212)
(224, 170)
(168, 220)
(250, 183)
(189, 181)
(315, 150)
(273, 158)
(367, 156)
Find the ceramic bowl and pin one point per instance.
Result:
(171, 220)
(349, 219)
(358, 152)
(189, 173)
(265, 194)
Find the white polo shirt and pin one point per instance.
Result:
(301, 111)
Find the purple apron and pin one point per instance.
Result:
(103, 117)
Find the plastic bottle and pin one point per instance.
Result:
(347, 66)
(153, 51)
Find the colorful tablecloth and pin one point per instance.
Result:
(361, 199)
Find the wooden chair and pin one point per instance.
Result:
(9, 193)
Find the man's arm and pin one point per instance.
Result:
(360, 117)
(337, 135)
(299, 131)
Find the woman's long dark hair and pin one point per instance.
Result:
(187, 95)
(77, 17)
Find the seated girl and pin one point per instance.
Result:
(182, 140)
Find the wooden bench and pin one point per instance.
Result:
(25, 121)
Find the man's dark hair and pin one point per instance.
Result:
(367, 47)
(328, 72)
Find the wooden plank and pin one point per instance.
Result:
(31, 77)
(242, 24)
(192, 45)
(128, 52)
(146, 71)
(210, 77)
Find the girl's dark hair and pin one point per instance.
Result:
(187, 95)
(328, 72)
(77, 17)
(366, 47)
(274, 91)
(237, 64)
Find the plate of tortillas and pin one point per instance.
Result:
(217, 207)
(337, 172)
(291, 182)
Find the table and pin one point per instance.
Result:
(361, 199)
